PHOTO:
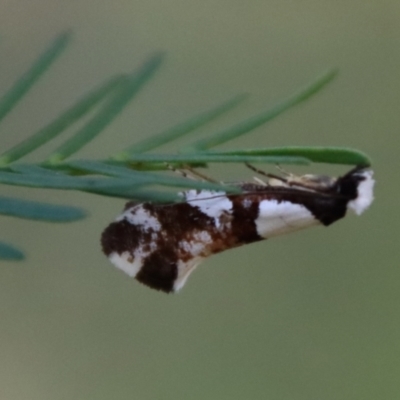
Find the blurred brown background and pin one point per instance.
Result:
(310, 316)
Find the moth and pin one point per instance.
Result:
(161, 244)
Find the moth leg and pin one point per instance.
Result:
(263, 173)
(260, 181)
(190, 173)
(180, 172)
(256, 170)
(199, 175)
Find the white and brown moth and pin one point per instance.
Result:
(161, 244)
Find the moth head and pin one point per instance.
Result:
(363, 181)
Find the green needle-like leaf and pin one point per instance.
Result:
(180, 130)
(31, 169)
(118, 187)
(143, 178)
(64, 182)
(203, 157)
(130, 193)
(329, 155)
(109, 111)
(254, 122)
(114, 186)
(10, 253)
(105, 168)
(21, 87)
(62, 122)
(39, 211)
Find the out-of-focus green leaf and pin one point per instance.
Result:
(62, 122)
(246, 126)
(10, 253)
(25, 82)
(39, 211)
(180, 130)
(109, 111)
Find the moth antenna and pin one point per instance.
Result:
(256, 170)
(181, 172)
(199, 175)
(190, 173)
(268, 175)
(282, 170)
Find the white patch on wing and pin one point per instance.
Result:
(184, 270)
(138, 216)
(365, 193)
(247, 203)
(130, 263)
(126, 262)
(211, 203)
(202, 236)
(277, 218)
(197, 244)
